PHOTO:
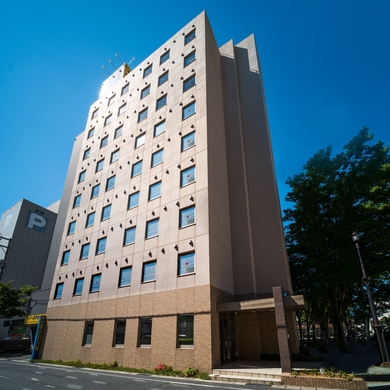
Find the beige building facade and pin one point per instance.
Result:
(173, 240)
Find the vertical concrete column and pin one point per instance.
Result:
(281, 327)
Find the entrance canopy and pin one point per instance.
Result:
(291, 303)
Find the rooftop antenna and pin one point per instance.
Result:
(106, 70)
(131, 61)
(119, 58)
(112, 64)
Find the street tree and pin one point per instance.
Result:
(333, 196)
(14, 300)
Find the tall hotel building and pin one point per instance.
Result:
(173, 241)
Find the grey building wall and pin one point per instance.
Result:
(30, 228)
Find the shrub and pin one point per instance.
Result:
(327, 373)
(191, 371)
(203, 375)
(163, 368)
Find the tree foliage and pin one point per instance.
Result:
(13, 300)
(332, 197)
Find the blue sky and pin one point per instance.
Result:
(325, 65)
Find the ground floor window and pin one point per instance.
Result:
(88, 333)
(145, 331)
(120, 328)
(185, 330)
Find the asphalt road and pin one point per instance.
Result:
(23, 375)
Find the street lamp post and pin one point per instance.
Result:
(378, 329)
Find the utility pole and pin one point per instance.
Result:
(377, 327)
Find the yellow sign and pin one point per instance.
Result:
(33, 319)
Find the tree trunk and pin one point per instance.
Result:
(340, 336)
(300, 327)
(308, 330)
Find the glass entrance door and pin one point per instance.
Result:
(227, 334)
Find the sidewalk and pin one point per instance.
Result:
(363, 361)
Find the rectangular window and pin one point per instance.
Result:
(145, 92)
(164, 57)
(86, 153)
(145, 331)
(185, 330)
(90, 219)
(155, 190)
(189, 83)
(161, 102)
(100, 165)
(84, 251)
(189, 37)
(108, 120)
(188, 110)
(95, 283)
(110, 183)
(82, 176)
(189, 58)
(88, 333)
(95, 191)
(187, 216)
(149, 271)
(118, 132)
(106, 212)
(122, 109)
(136, 169)
(95, 113)
(125, 276)
(104, 142)
(71, 227)
(101, 245)
(114, 156)
(111, 100)
(65, 258)
(187, 141)
(148, 70)
(142, 115)
(163, 78)
(129, 236)
(125, 89)
(187, 176)
(133, 200)
(159, 129)
(152, 228)
(76, 201)
(58, 290)
(186, 264)
(78, 286)
(120, 328)
(157, 157)
(91, 133)
(140, 140)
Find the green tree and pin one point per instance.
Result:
(333, 196)
(13, 300)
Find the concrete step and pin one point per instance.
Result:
(241, 378)
(266, 373)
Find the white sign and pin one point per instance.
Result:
(36, 222)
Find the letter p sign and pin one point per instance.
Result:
(36, 222)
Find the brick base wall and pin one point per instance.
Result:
(66, 325)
